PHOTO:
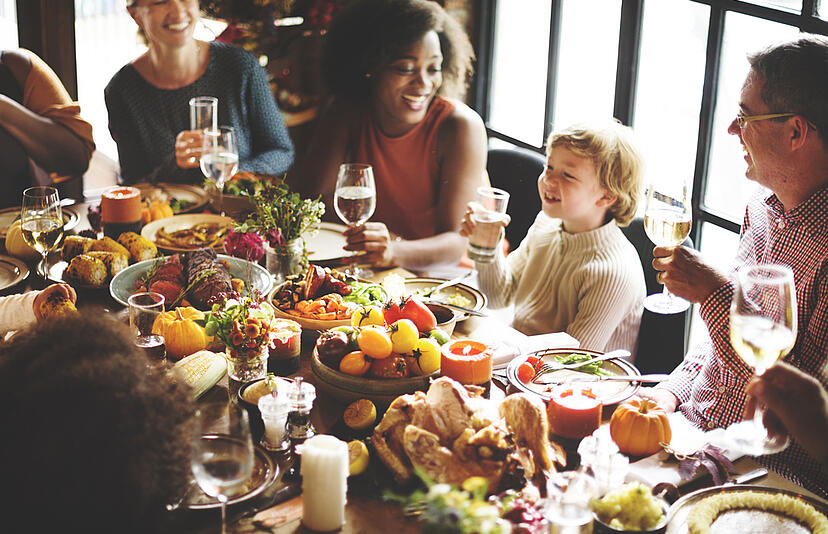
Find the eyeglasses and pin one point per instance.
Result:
(742, 119)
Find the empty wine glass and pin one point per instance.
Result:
(355, 199)
(667, 223)
(41, 221)
(763, 327)
(219, 158)
(222, 454)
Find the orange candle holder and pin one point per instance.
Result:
(467, 361)
(284, 355)
(121, 210)
(574, 412)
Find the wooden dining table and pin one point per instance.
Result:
(366, 511)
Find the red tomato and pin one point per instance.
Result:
(391, 312)
(391, 367)
(412, 308)
(525, 372)
(535, 362)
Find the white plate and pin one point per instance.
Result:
(189, 193)
(12, 272)
(328, 243)
(181, 222)
(9, 215)
(255, 277)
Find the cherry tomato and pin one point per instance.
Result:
(391, 312)
(392, 367)
(413, 308)
(367, 315)
(525, 372)
(404, 335)
(374, 341)
(534, 361)
(355, 363)
(425, 358)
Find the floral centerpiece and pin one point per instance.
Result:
(245, 325)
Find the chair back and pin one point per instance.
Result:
(662, 339)
(516, 170)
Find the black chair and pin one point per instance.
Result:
(662, 339)
(516, 170)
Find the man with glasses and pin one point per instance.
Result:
(782, 125)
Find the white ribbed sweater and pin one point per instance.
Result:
(589, 285)
(17, 311)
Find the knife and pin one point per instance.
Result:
(612, 378)
(470, 311)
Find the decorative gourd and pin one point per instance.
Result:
(154, 211)
(638, 426)
(182, 335)
(17, 246)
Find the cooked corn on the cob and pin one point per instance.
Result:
(140, 248)
(74, 245)
(87, 270)
(200, 371)
(114, 262)
(107, 244)
(55, 305)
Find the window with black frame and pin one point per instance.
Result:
(672, 69)
(8, 25)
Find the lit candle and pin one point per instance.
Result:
(284, 355)
(121, 211)
(574, 412)
(467, 361)
(324, 482)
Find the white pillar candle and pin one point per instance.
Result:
(324, 482)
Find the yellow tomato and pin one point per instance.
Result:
(373, 340)
(367, 315)
(404, 335)
(354, 363)
(425, 358)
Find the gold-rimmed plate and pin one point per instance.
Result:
(12, 272)
(193, 197)
(265, 472)
(9, 215)
(458, 294)
(184, 222)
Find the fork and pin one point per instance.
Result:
(551, 367)
(448, 283)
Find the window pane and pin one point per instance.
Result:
(8, 25)
(727, 187)
(794, 6)
(520, 59)
(822, 9)
(585, 82)
(669, 91)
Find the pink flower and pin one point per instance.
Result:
(247, 245)
(274, 237)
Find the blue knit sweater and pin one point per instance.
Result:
(144, 119)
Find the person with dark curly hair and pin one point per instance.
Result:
(94, 439)
(395, 69)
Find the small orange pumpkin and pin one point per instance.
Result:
(638, 426)
(182, 335)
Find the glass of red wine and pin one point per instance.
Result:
(144, 309)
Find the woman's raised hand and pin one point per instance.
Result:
(188, 148)
(375, 240)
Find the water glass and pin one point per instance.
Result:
(203, 113)
(568, 510)
(144, 309)
(488, 220)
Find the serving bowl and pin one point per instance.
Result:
(599, 527)
(446, 317)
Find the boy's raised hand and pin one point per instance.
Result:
(467, 223)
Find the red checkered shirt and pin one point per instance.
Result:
(710, 381)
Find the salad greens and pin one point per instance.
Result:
(592, 368)
(364, 293)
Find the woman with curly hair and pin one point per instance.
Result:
(93, 439)
(395, 69)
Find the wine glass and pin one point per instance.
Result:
(219, 158)
(222, 454)
(762, 330)
(41, 221)
(667, 223)
(144, 309)
(355, 199)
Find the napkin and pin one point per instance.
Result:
(516, 344)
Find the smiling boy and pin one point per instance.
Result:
(575, 271)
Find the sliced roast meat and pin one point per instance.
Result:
(209, 285)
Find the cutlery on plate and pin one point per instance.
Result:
(750, 476)
(552, 366)
(459, 308)
(658, 377)
(448, 283)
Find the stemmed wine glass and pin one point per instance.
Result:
(355, 199)
(667, 221)
(41, 221)
(222, 454)
(219, 158)
(762, 330)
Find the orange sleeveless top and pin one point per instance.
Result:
(406, 171)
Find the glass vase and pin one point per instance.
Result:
(247, 365)
(285, 260)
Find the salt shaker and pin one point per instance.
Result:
(300, 398)
(274, 409)
(567, 510)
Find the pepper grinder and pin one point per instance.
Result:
(300, 397)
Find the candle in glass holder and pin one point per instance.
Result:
(324, 482)
(121, 211)
(574, 412)
(284, 355)
(467, 361)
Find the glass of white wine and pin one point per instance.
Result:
(355, 199)
(667, 218)
(219, 158)
(762, 330)
(41, 221)
(222, 453)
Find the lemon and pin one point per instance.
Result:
(360, 414)
(358, 457)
